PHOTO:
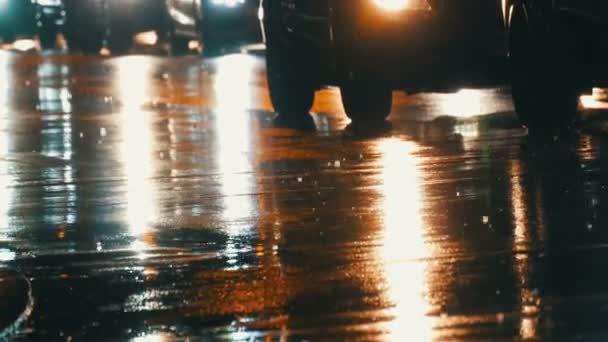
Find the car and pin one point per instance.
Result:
(214, 23)
(50, 19)
(16, 19)
(556, 53)
(91, 23)
(369, 48)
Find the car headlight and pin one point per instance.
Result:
(399, 5)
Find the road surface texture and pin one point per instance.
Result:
(153, 198)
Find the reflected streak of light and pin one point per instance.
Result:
(519, 206)
(24, 44)
(6, 255)
(469, 130)
(153, 338)
(4, 82)
(147, 38)
(6, 179)
(529, 299)
(6, 184)
(597, 100)
(404, 242)
(136, 147)
(465, 103)
(233, 96)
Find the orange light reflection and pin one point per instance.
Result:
(403, 243)
(529, 299)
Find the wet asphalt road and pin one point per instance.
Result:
(155, 198)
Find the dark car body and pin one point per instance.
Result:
(49, 13)
(586, 23)
(214, 23)
(16, 19)
(403, 45)
(386, 44)
(50, 18)
(91, 22)
(557, 51)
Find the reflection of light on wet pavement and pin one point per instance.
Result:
(529, 299)
(403, 242)
(6, 179)
(154, 338)
(468, 130)
(55, 101)
(7, 186)
(137, 144)
(4, 82)
(598, 99)
(235, 149)
(233, 123)
(25, 44)
(146, 38)
(6, 255)
(465, 103)
(232, 84)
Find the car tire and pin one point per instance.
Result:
(178, 45)
(85, 28)
(120, 41)
(47, 39)
(292, 89)
(89, 45)
(544, 94)
(366, 101)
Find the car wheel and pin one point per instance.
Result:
(47, 38)
(366, 101)
(292, 90)
(85, 28)
(544, 95)
(120, 41)
(179, 45)
(91, 44)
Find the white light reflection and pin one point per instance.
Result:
(154, 338)
(6, 179)
(4, 82)
(598, 99)
(235, 148)
(136, 148)
(467, 103)
(403, 243)
(7, 186)
(234, 127)
(7, 255)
